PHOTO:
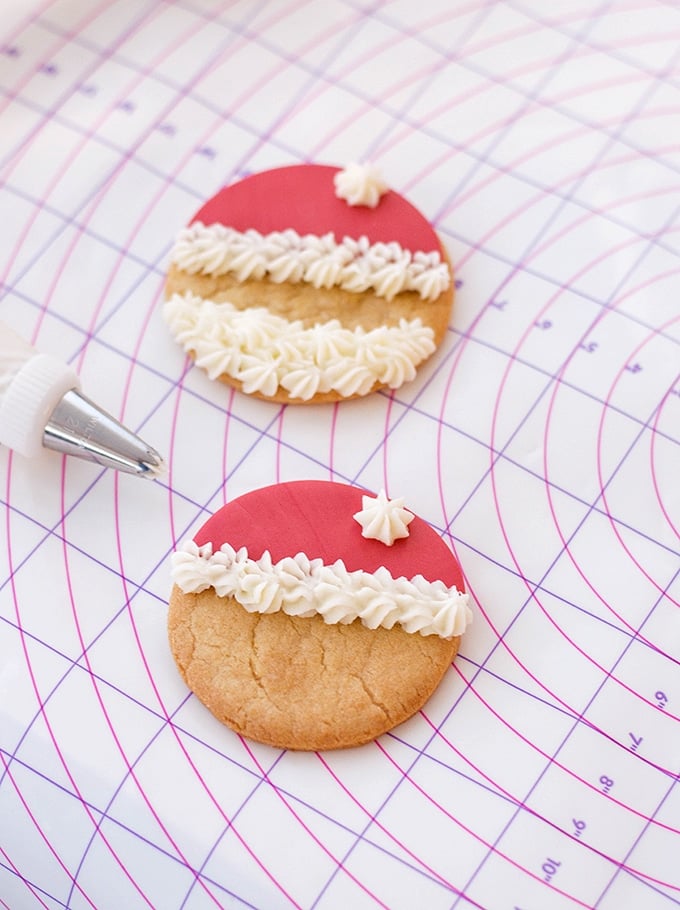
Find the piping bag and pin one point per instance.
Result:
(41, 406)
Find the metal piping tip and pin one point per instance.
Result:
(79, 427)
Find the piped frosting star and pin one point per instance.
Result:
(360, 184)
(383, 519)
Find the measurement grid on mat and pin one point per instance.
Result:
(541, 442)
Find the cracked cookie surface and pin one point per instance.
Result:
(301, 683)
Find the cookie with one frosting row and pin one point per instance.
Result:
(309, 283)
(312, 615)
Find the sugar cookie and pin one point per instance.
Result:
(312, 615)
(308, 283)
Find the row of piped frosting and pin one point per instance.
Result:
(263, 351)
(386, 269)
(303, 587)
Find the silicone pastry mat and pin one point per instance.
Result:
(541, 441)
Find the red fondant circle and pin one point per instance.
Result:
(315, 517)
(302, 197)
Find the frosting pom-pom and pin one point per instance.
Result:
(383, 519)
(360, 184)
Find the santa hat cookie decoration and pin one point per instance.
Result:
(311, 615)
(308, 283)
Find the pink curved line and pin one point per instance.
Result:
(228, 822)
(600, 318)
(100, 700)
(331, 442)
(58, 44)
(451, 101)
(544, 246)
(511, 797)
(563, 540)
(374, 820)
(652, 455)
(608, 606)
(130, 771)
(570, 709)
(424, 793)
(622, 372)
(24, 881)
(278, 884)
(662, 276)
(193, 766)
(174, 422)
(414, 76)
(386, 439)
(264, 775)
(54, 182)
(540, 195)
(507, 370)
(492, 448)
(130, 766)
(41, 706)
(279, 439)
(552, 761)
(555, 141)
(91, 208)
(483, 87)
(525, 207)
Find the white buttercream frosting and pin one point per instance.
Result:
(303, 587)
(383, 519)
(264, 351)
(360, 184)
(386, 269)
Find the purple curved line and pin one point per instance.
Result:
(612, 388)
(58, 44)
(130, 773)
(652, 458)
(264, 775)
(18, 874)
(458, 355)
(451, 102)
(519, 803)
(100, 700)
(414, 76)
(54, 182)
(130, 769)
(482, 88)
(41, 706)
(594, 262)
(56, 277)
(591, 212)
(553, 761)
(373, 819)
(91, 208)
(174, 421)
(469, 831)
(619, 682)
(600, 318)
